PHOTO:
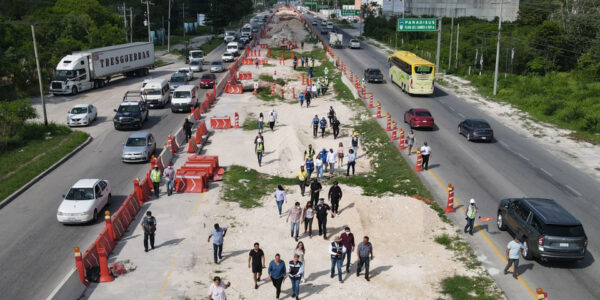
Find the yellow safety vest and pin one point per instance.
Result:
(471, 212)
(155, 176)
(260, 147)
(302, 175)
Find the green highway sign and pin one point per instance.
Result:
(310, 2)
(350, 12)
(322, 6)
(417, 25)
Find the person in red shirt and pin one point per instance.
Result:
(348, 242)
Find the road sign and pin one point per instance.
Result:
(310, 2)
(417, 25)
(325, 6)
(350, 12)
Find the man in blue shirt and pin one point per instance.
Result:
(277, 274)
(513, 249)
(217, 234)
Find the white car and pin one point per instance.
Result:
(82, 114)
(83, 202)
(196, 65)
(354, 44)
(189, 74)
(323, 23)
(228, 57)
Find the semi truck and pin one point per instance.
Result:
(336, 40)
(93, 68)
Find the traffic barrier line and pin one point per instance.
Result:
(485, 237)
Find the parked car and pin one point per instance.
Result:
(208, 80)
(82, 114)
(373, 75)
(85, 199)
(196, 66)
(227, 57)
(177, 79)
(548, 231)
(476, 129)
(419, 118)
(354, 44)
(130, 114)
(189, 74)
(139, 146)
(216, 66)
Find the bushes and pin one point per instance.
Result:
(13, 115)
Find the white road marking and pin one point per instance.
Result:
(451, 108)
(462, 116)
(573, 190)
(505, 145)
(522, 156)
(547, 173)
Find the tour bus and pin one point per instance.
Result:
(414, 75)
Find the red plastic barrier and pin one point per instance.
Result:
(126, 213)
(199, 166)
(103, 241)
(208, 159)
(196, 114)
(191, 181)
(220, 122)
(173, 145)
(90, 257)
(146, 189)
(192, 146)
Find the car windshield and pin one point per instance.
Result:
(180, 94)
(227, 54)
(177, 79)
(423, 69)
(481, 125)
(197, 54)
(65, 73)
(128, 108)
(375, 72)
(206, 77)
(185, 71)
(136, 142)
(422, 114)
(152, 92)
(80, 194)
(79, 110)
(195, 63)
(567, 231)
(216, 63)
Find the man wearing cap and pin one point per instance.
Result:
(302, 177)
(348, 241)
(335, 195)
(155, 177)
(217, 290)
(337, 250)
(321, 211)
(470, 214)
(169, 177)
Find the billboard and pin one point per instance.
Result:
(393, 6)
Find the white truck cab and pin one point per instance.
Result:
(229, 36)
(184, 98)
(233, 48)
(156, 92)
(196, 55)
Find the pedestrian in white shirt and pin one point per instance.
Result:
(513, 249)
(425, 153)
(331, 160)
(272, 118)
(217, 290)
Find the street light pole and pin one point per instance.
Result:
(39, 71)
(169, 29)
(147, 2)
(439, 44)
(498, 49)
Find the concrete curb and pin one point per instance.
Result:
(37, 178)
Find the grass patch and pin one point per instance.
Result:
(250, 123)
(211, 45)
(265, 95)
(463, 251)
(18, 166)
(317, 54)
(465, 288)
(444, 240)
(269, 78)
(246, 186)
(159, 63)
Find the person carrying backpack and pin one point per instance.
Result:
(315, 125)
(323, 124)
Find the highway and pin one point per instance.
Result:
(511, 166)
(37, 251)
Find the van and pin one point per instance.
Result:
(196, 55)
(229, 36)
(156, 92)
(329, 25)
(232, 47)
(184, 98)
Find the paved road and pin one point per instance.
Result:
(512, 166)
(36, 250)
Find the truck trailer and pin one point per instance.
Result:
(94, 68)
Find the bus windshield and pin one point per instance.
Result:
(423, 69)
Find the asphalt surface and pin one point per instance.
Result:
(510, 166)
(37, 251)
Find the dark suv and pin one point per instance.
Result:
(549, 230)
(373, 75)
(130, 114)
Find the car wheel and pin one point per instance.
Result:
(469, 136)
(405, 119)
(108, 200)
(526, 253)
(500, 222)
(74, 91)
(140, 124)
(459, 131)
(95, 218)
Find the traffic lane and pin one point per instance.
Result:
(473, 181)
(39, 250)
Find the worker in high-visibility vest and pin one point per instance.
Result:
(156, 177)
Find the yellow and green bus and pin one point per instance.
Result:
(414, 75)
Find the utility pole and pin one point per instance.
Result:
(498, 49)
(439, 44)
(183, 21)
(169, 29)
(39, 71)
(457, 35)
(125, 20)
(147, 2)
(131, 24)
(450, 49)
(163, 31)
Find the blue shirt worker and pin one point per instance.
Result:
(364, 251)
(218, 234)
(277, 273)
(323, 125)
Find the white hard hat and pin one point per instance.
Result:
(472, 201)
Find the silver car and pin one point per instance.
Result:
(139, 146)
(216, 66)
(196, 65)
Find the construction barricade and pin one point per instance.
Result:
(220, 122)
(209, 159)
(191, 181)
